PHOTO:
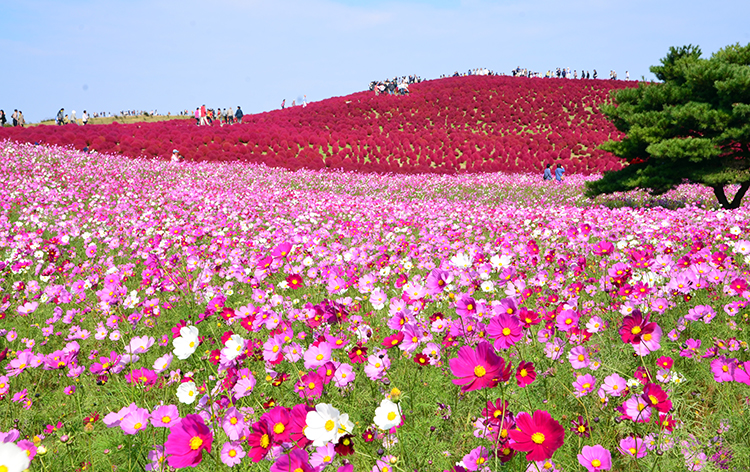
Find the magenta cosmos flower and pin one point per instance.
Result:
(186, 442)
(595, 458)
(633, 446)
(506, 330)
(477, 369)
(297, 461)
(540, 436)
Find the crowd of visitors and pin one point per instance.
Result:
(564, 73)
(396, 85)
(16, 119)
(206, 116)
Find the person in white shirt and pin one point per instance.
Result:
(73, 117)
(85, 117)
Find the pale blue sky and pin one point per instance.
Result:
(110, 55)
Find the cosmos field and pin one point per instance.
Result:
(230, 315)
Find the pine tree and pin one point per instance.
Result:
(693, 126)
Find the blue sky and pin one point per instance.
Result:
(111, 55)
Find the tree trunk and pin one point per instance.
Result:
(735, 203)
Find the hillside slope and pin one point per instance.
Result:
(461, 124)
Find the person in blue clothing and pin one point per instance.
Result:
(548, 172)
(559, 172)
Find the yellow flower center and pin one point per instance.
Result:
(275, 349)
(264, 441)
(3, 468)
(725, 368)
(192, 343)
(233, 420)
(391, 416)
(596, 463)
(537, 438)
(330, 425)
(232, 453)
(279, 428)
(138, 426)
(653, 399)
(568, 321)
(582, 429)
(635, 330)
(480, 371)
(524, 373)
(506, 331)
(195, 443)
(632, 450)
(326, 458)
(319, 357)
(311, 385)
(166, 419)
(647, 337)
(581, 358)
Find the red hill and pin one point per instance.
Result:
(461, 124)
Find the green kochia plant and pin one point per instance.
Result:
(694, 126)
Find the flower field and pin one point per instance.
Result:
(230, 315)
(461, 124)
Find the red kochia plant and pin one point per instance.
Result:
(467, 124)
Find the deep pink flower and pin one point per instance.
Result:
(525, 374)
(186, 442)
(506, 330)
(540, 436)
(477, 369)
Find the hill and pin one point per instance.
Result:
(461, 124)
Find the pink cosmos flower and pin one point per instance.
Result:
(232, 453)
(135, 421)
(506, 329)
(233, 423)
(723, 369)
(579, 357)
(566, 320)
(615, 385)
(584, 384)
(476, 459)
(27, 308)
(165, 416)
(595, 458)
(633, 446)
(186, 442)
(316, 356)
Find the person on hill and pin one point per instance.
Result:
(176, 156)
(73, 118)
(3, 119)
(204, 115)
(21, 119)
(85, 117)
(197, 116)
(14, 117)
(548, 172)
(559, 170)
(283, 104)
(238, 114)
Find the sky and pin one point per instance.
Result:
(172, 55)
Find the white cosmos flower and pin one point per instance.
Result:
(13, 458)
(187, 393)
(461, 260)
(387, 415)
(233, 347)
(322, 424)
(500, 261)
(186, 344)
